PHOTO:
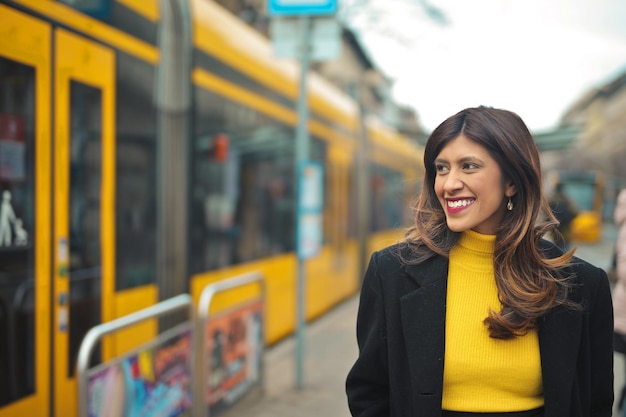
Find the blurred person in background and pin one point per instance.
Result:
(564, 211)
(473, 313)
(619, 292)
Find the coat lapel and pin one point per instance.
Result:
(423, 314)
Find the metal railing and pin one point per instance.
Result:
(180, 302)
(199, 319)
(204, 306)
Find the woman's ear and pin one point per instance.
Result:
(510, 189)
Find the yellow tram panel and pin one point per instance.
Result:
(219, 34)
(147, 8)
(266, 106)
(93, 27)
(331, 278)
(130, 301)
(278, 273)
(241, 95)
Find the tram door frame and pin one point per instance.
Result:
(78, 59)
(26, 40)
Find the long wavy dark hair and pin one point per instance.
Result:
(529, 282)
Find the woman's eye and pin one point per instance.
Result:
(470, 165)
(441, 169)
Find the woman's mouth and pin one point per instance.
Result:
(457, 205)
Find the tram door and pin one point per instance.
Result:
(83, 204)
(25, 171)
(56, 209)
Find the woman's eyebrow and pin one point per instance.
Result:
(460, 161)
(470, 159)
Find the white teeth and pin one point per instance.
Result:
(459, 203)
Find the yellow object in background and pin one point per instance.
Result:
(587, 227)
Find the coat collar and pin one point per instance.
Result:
(423, 321)
(423, 314)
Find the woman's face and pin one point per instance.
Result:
(470, 187)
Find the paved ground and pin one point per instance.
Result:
(329, 353)
(331, 350)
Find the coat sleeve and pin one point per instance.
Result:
(367, 383)
(601, 347)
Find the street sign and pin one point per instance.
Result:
(301, 7)
(325, 40)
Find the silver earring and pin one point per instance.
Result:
(509, 205)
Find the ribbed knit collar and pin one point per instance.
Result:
(477, 242)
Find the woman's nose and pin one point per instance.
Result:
(452, 182)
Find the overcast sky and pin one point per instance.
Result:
(534, 57)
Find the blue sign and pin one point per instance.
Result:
(301, 7)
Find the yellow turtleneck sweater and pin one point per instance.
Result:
(483, 374)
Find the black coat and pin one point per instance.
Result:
(401, 338)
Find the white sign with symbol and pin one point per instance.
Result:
(10, 225)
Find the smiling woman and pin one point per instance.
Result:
(474, 312)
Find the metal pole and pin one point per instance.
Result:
(173, 103)
(302, 154)
(362, 184)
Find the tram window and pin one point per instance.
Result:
(17, 230)
(85, 214)
(242, 209)
(135, 172)
(387, 199)
(236, 203)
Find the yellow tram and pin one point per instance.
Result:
(146, 150)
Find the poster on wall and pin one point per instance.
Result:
(153, 381)
(234, 341)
